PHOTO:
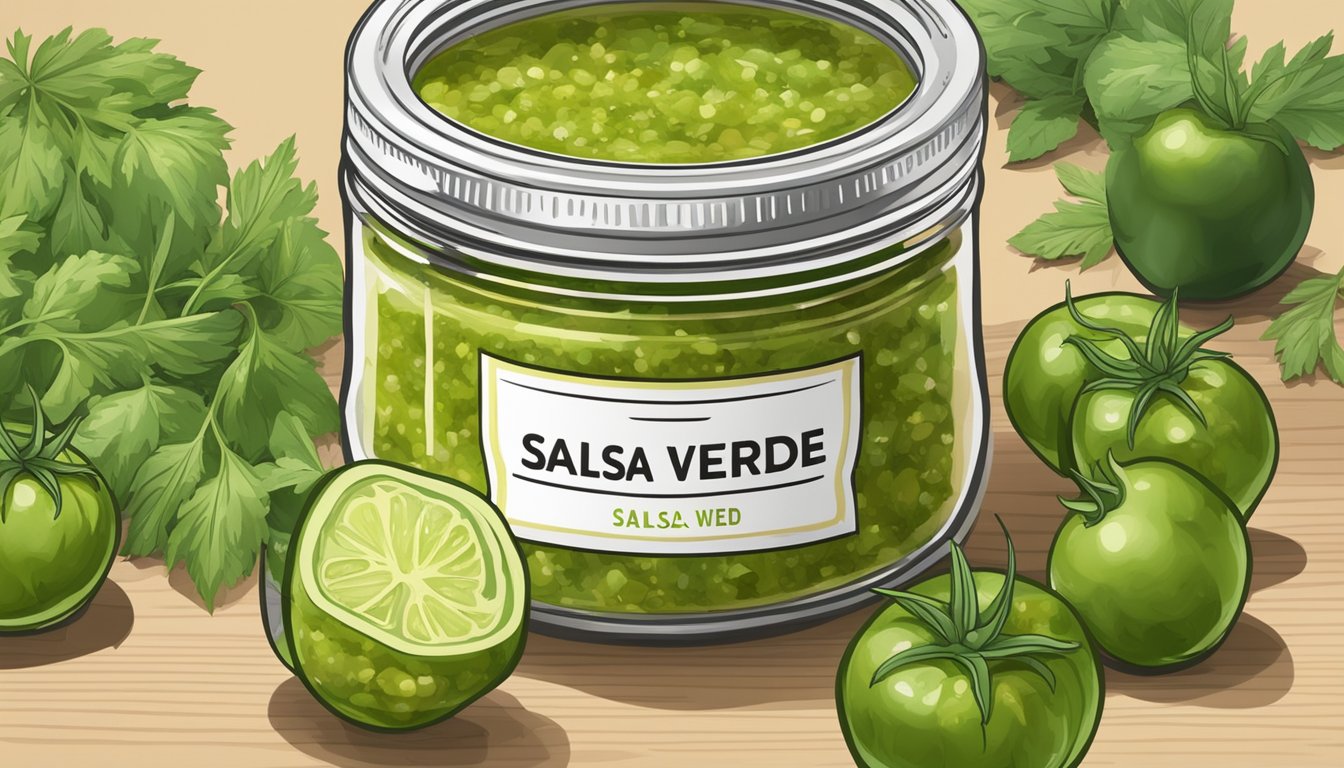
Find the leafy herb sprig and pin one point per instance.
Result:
(969, 637)
(1304, 335)
(1157, 365)
(184, 325)
(1153, 55)
(1118, 63)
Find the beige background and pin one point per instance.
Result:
(147, 678)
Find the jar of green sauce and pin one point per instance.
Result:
(688, 289)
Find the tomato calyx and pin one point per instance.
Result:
(1159, 365)
(969, 637)
(39, 457)
(1101, 495)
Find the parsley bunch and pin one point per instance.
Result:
(127, 291)
(1117, 64)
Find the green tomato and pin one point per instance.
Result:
(1159, 570)
(52, 564)
(925, 715)
(1044, 374)
(1214, 212)
(1235, 447)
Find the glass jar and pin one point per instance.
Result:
(710, 399)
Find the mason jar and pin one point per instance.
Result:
(711, 399)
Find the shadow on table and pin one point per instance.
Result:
(1276, 558)
(105, 623)
(1253, 668)
(496, 730)
(793, 671)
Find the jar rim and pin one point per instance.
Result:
(446, 185)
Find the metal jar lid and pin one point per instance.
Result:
(454, 189)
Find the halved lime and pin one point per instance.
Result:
(406, 596)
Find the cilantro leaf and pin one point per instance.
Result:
(124, 428)
(296, 470)
(297, 463)
(14, 239)
(262, 198)
(32, 169)
(1039, 48)
(1304, 335)
(1080, 182)
(160, 486)
(79, 224)
(173, 163)
(221, 527)
(122, 279)
(1129, 80)
(84, 80)
(264, 380)
(1080, 228)
(296, 282)
(1044, 124)
(1305, 94)
(104, 360)
(64, 293)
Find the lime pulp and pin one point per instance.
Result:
(407, 597)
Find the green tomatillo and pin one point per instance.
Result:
(58, 528)
(1170, 398)
(1155, 559)
(1046, 372)
(971, 669)
(1215, 210)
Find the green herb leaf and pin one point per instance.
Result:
(14, 239)
(1039, 49)
(63, 295)
(1073, 228)
(86, 80)
(121, 277)
(103, 361)
(296, 283)
(163, 482)
(296, 470)
(1130, 81)
(264, 196)
(1304, 335)
(1305, 95)
(297, 462)
(1044, 124)
(221, 527)
(173, 163)
(124, 428)
(264, 380)
(32, 170)
(79, 223)
(1080, 182)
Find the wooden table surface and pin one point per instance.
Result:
(148, 678)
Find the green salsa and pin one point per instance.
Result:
(667, 83)
(426, 328)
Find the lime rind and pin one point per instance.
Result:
(415, 563)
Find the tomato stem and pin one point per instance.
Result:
(968, 637)
(40, 458)
(1157, 366)
(1101, 495)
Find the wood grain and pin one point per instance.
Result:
(148, 678)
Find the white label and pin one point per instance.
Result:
(672, 467)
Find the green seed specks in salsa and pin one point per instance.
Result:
(683, 83)
(904, 324)
(709, 399)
